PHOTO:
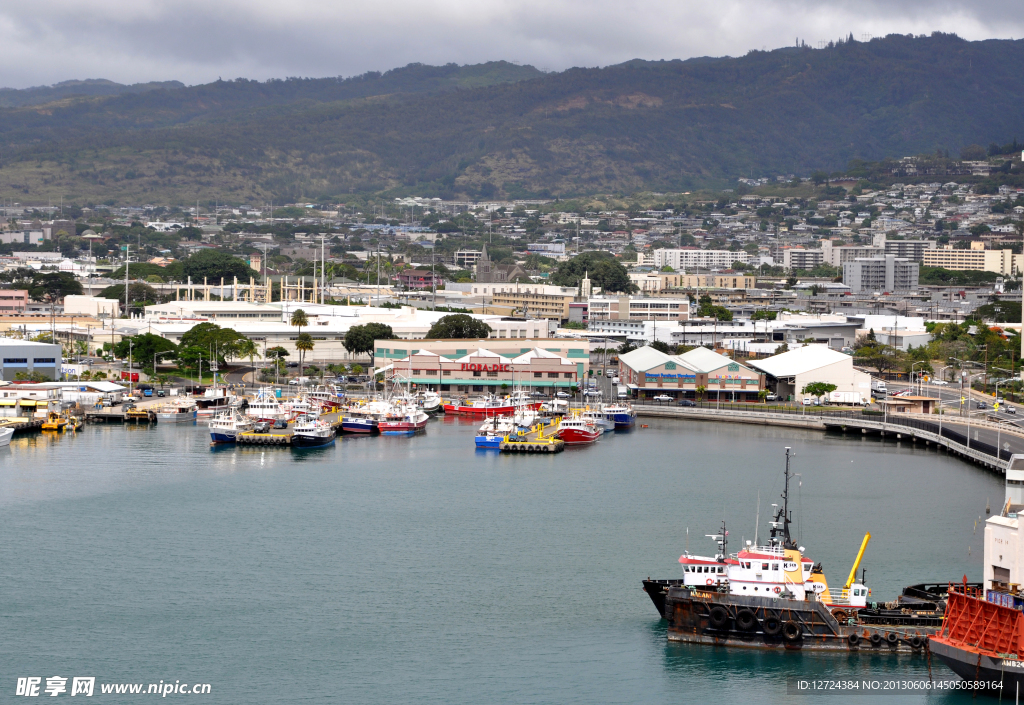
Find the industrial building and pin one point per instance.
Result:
(790, 372)
(28, 358)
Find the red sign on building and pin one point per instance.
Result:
(480, 367)
(133, 376)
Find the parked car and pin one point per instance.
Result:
(807, 401)
(562, 395)
(663, 397)
(687, 402)
(940, 382)
(147, 392)
(592, 393)
(262, 427)
(622, 395)
(160, 393)
(772, 396)
(291, 364)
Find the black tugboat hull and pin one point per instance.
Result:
(657, 590)
(713, 618)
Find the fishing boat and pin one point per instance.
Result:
(309, 431)
(774, 597)
(598, 418)
(213, 401)
(620, 413)
(554, 407)
(181, 411)
(430, 402)
(407, 418)
(266, 407)
(225, 426)
(327, 396)
(489, 405)
(359, 424)
(54, 422)
(5, 435)
(577, 431)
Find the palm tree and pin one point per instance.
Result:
(247, 348)
(299, 319)
(304, 344)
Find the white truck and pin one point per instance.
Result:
(846, 398)
(878, 387)
(622, 392)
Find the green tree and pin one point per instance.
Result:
(213, 339)
(459, 325)
(304, 344)
(819, 389)
(191, 357)
(54, 286)
(244, 347)
(359, 339)
(211, 265)
(603, 269)
(143, 347)
(299, 319)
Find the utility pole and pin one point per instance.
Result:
(127, 259)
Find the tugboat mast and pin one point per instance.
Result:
(780, 527)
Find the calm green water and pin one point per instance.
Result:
(387, 570)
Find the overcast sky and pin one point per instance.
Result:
(197, 41)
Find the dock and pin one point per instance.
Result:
(539, 439)
(283, 436)
(22, 423)
(108, 415)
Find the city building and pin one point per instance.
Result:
(417, 279)
(484, 370)
(637, 308)
(799, 258)
(717, 281)
(488, 272)
(881, 274)
(76, 305)
(838, 255)
(975, 259)
(534, 300)
(682, 259)
(909, 249)
(547, 249)
(467, 258)
(576, 351)
(790, 372)
(651, 282)
(28, 358)
(703, 373)
(13, 301)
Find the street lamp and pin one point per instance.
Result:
(919, 389)
(156, 355)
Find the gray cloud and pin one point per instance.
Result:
(129, 41)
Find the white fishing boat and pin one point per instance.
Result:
(5, 435)
(310, 431)
(181, 411)
(225, 426)
(266, 407)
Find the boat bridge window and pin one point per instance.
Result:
(764, 566)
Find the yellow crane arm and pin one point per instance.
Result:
(856, 563)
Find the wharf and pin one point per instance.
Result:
(22, 423)
(534, 440)
(107, 415)
(283, 437)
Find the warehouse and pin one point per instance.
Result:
(791, 371)
(30, 359)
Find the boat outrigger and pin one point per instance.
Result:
(774, 597)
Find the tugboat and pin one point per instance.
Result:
(54, 422)
(310, 431)
(774, 597)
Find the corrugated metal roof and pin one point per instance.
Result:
(799, 361)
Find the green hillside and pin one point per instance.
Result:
(499, 129)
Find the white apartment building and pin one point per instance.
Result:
(799, 258)
(706, 259)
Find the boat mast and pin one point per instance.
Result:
(780, 527)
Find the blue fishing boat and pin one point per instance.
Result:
(621, 414)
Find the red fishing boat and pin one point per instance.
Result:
(577, 431)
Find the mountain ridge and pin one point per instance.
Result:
(493, 130)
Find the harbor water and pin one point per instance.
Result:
(419, 569)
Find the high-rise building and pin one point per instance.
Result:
(888, 273)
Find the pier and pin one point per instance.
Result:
(539, 439)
